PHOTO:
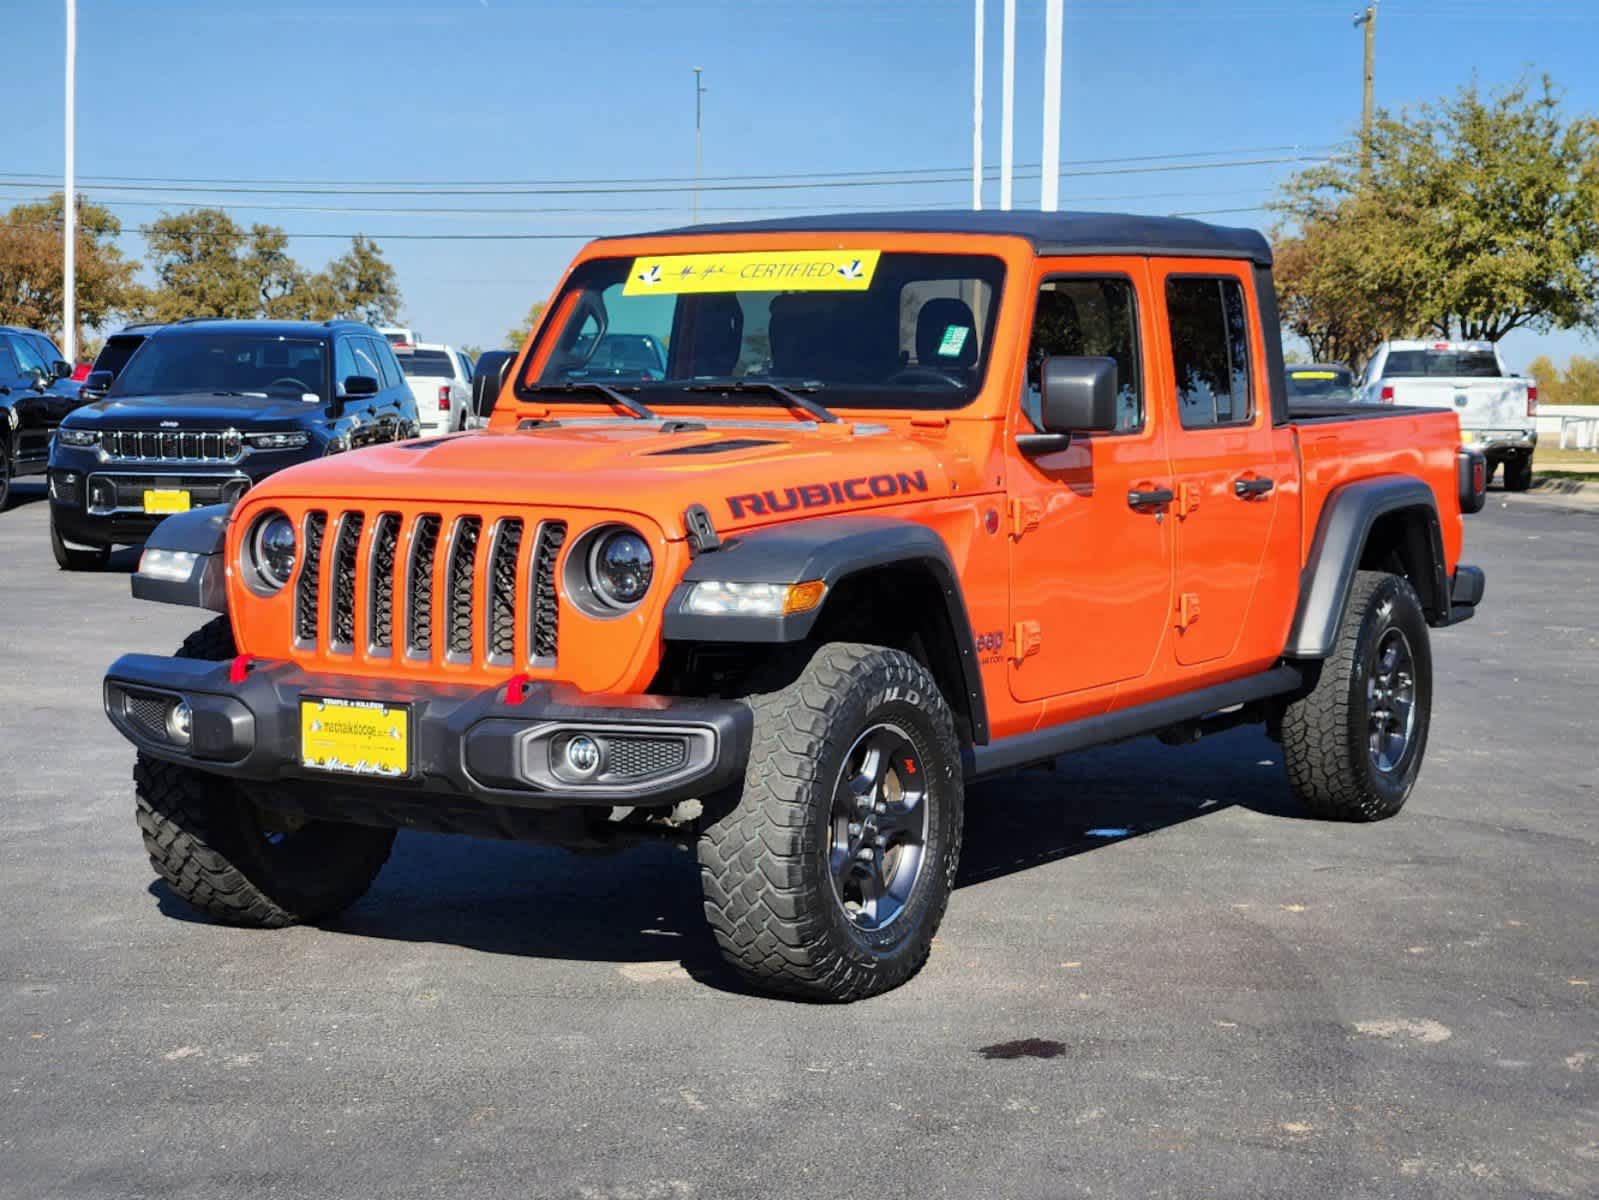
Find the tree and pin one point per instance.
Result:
(1577, 384)
(206, 265)
(31, 267)
(1480, 215)
(362, 285)
(517, 336)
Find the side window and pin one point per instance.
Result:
(366, 359)
(1096, 317)
(30, 365)
(1210, 350)
(389, 373)
(343, 361)
(8, 360)
(466, 367)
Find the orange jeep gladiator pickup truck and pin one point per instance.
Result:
(779, 536)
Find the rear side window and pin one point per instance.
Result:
(1088, 316)
(1210, 350)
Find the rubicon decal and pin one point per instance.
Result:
(824, 495)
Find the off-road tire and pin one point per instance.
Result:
(1326, 735)
(73, 558)
(212, 845)
(764, 865)
(1518, 473)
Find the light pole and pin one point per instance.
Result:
(69, 208)
(1054, 15)
(699, 112)
(977, 110)
(1007, 107)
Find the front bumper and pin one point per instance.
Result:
(466, 743)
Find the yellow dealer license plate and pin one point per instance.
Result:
(355, 737)
(166, 500)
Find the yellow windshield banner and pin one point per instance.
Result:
(752, 271)
(1314, 374)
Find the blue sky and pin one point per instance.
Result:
(447, 91)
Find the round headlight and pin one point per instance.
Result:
(620, 568)
(272, 549)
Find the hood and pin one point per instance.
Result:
(743, 474)
(194, 410)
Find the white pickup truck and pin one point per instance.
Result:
(1497, 408)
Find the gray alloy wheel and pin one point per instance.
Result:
(879, 826)
(1391, 701)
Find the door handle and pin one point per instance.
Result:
(1249, 487)
(1150, 498)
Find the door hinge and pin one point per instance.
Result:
(1024, 516)
(1028, 640)
(1187, 609)
(1187, 498)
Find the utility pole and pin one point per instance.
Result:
(1054, 18)
(699, 113)
(1007, 108)
(69, 203)
(977, 110)
(1369, 20)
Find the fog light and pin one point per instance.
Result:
(582, 755)
(180, 723)
(102, 497)
(64, 487)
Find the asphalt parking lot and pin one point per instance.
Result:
(1155, 979)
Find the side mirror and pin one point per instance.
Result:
(62, 368)
(488, 378)
(359, 385)
(98, 382)
(1077, 395)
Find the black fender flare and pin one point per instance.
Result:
(831, 549)
(203, 533)
(1352, 509)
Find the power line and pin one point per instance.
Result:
(429, 185)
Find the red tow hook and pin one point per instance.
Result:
(240, 668)
(516, 689)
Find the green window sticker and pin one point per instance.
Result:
(953, 341)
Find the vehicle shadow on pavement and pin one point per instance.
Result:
(643, 906)
(26, 491)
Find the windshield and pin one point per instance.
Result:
(1333, 384)
(250, 364)
(427, 362)
(858, 328)
(1447, 364)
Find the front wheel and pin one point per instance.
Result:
(1354, 744)
(830, 874)
(238, 862)
(5, 474)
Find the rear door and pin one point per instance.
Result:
(1222, 453)
(1090, 572)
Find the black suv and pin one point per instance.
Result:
(203, 410)
(36, 391)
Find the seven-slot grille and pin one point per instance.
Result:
(171, 445)
(443, 587)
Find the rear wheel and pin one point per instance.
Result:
(76, 558)
(1518, 473)
(239, 862)
(1354, 745)
(829, 876)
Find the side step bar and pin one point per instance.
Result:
(1041, 745)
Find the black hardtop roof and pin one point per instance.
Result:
(1050, 233)
(279, 328)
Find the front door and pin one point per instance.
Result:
(1222, 454)
(1090, 571)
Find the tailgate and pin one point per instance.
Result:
(1479, 403)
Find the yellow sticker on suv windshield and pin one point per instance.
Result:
(752, 271)
(1315, 375)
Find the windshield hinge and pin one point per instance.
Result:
(699, 531)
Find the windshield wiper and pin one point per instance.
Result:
(788, 396)
(603, 389)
